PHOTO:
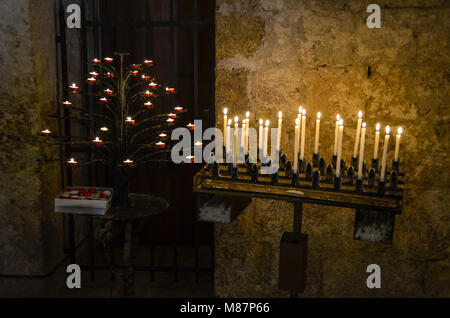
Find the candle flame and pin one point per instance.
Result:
(341, 122)
(319, 115)
(300, 109)
(225, 111)
(360, 114)
(260, 122)
(229, 122)
(267, 123)
(128, 118)
(297, 121)
(162, 135)
(243, 122)
(247, 114)
(399, 130)
(280, 114)
(304, 112)
(338, 117)
(104, 128)
(236, 119)
(364, 125)
(378, 127)
(388, 130)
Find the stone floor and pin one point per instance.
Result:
(163, 286)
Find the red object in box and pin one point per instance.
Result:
(134, 73)
(110, 75)
(191, 126)
(135, 66)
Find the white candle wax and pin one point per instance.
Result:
(235, 148)
(296, 141)
(260, 136)
(316, 140)
(228, 138)
(247, 124)
(280, 121)
(358, 133)
(361, 150)
(339, 150)
(377, 141)
(397, 143)
(302, 146)
(266, 137)
(336, 135)
(383, 160)
(225, 122)
(243, 135)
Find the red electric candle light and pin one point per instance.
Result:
(135, 66)
(134, 73)
(46, 132)
(72, 162)
(148, 104)
(97, 141)
(192, 158)
(91, 80)
(67, 104)
(148, 93)
(103, 100)
(146, 77)
(198, 144)
(152, 85)
(93, 74)
(104, 129)
(109, 75)
(170, 121)
(148, 62)
(96, 61)
(160, 144)
(128, 163)
(108, 91)
(190, 126)
(108, 59)
(74, 88)
(178, 109)
(171, 115)
(163, 136)
(170, 90)
(130, 121)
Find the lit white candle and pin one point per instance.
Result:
(235, 148)
(243, 135)
(260, 135)
(336, 135)
(361, 150)
(397, 143)
(299, 116)
(247, 124)
(266, 137)
(358, 133)
(383, 160)
(377, 141)
(339, 150)
(225, 121)
(228, 137)
(316, 140)
(280, 122)
(302, 147)
(296, 142)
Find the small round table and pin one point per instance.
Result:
(141, 206)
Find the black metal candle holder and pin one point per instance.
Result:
(375, 164)
(359, 185)
(396, 165)
(315, 161)
(354, 162)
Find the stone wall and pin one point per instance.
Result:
(276, 55)
(30, 233)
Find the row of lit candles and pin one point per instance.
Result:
(299, 139)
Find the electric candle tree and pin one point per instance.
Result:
(127, 131)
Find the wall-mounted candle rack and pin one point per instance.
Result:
(376, 203)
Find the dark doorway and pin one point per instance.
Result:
(179, 36)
